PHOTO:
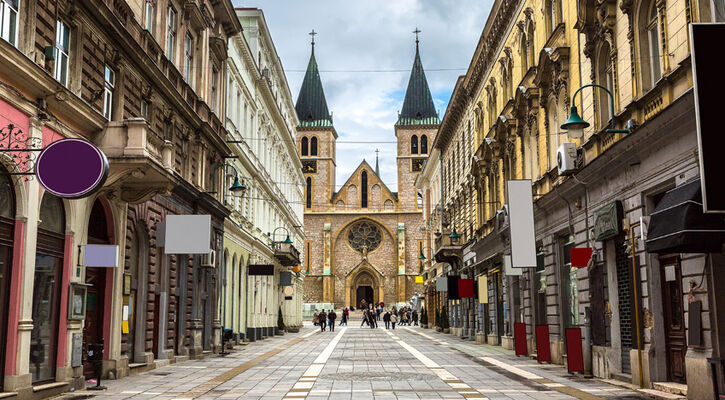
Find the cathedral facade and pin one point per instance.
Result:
(364, 240)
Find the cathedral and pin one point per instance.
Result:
(363, 239)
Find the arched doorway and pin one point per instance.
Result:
(364, 292)
(135, 295)
(7, 229)
(363, 282)
(46, 289)
(99, 232)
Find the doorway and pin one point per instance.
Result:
(7, 229)
(672, 302)
(366, 293)
(99, 232)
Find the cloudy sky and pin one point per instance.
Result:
(356, 37)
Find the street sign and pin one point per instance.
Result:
(71, 168)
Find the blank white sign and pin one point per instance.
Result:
(509, 270)
(188, 234)
(521, 223)
(100, 255)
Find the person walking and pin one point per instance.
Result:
(393, 320)
(323, 320)
(332, 317)
(386, 319)
(378, 311)
(373, 324)
(415, 317)
(316, 317)
(364, 318)
(343, 317)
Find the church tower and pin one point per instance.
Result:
(415, 130)
(316, 139)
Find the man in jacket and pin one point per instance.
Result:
(332, 317)
(415, 317)
(323, 320)
(386, 319)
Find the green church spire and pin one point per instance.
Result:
(311, 105)
(418, 107)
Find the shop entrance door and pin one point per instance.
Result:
(93, 327)
(676, 343)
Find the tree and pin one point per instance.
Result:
(280, 320)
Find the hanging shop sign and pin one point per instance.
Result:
(100, 255)
(442, 284)
(419, 279)
(580, 257)
(71, 168)
(608, 221)
(187, 234)
(285, 278)
(261, 269)
(521, 223)
(508, 268)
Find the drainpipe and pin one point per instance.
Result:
(587, 314)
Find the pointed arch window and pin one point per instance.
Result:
(308, 193)
(424, 144)
(530, 46)
(524, 54)
(414, 144)
(649, 43)
(313, 146)
(364, 190)
(605, 78)
(304, 146)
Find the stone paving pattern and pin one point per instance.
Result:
(408, 363)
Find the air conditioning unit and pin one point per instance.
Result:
(566, 158)
(208, 260)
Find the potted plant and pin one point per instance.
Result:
(423, 318)
(444, 320)
(280, 322)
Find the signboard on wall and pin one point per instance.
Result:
(261, 269)
(521, 223)
(100, 255)
(188, 234)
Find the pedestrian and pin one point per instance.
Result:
(364, 318)
(386, 319)
(393, 320)
(373, 324)
(323, 320)
(363, 304)
(343, 317)
(378, 311)
(415, 317)
(332, 317)
(316, 317)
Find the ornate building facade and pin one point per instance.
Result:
(363, 240)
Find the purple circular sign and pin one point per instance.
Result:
(71, 168)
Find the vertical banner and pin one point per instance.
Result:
(465, 288)
(520, 339)
(483, 289)
(574, 357)
(521, 223)
(453, 287)
(543, 352)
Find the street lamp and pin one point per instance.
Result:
(236, 185)
(575, 125)
(455, 236)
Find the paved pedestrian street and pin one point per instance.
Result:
(361, 363)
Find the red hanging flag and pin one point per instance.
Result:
(465, 288)
(580, 256)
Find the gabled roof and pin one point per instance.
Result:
(372, 180)
(311, 105)
(418, 107)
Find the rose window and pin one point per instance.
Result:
(364, 236)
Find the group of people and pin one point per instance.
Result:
(324, 320)
(391, 317)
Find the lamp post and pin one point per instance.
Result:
(575, 125)
(236, 185)
(455, 236)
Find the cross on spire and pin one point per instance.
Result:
(313, 33)
(416, 31)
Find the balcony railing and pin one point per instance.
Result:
(286, 254)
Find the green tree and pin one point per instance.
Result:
(280, 320)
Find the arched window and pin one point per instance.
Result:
(604, 78)
(423, 144)
(524, 54)
(313, 146)
(308, 193)
(305, 146)
(530, 46)
(47, 287)
(364, 190)
(553, 117)
(649, 34)
(414, 144)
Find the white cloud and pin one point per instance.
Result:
(373, 35)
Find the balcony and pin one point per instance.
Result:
(140, 162)
(446, 250)
(286, 254)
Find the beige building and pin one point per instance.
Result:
(363, 240)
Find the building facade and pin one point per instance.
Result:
(530, 61)
(144, 82)
(363, 240)
(261, 121)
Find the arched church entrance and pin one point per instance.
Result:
(364, 290)
(364, 282)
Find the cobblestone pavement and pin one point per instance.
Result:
(362, 363)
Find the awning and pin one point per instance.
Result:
(678, 224)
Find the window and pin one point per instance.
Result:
(718, 10)
(553, 116)
(171, 35)
(213, 94)
(524, 56)
(9, 21)
(605, 78)
(540, 286)
(305, 146)
(530, 44)
(62, 48)
(649, 46)
(653, 34)
(571, 284)
(414, 144)
(364, 190)
(188, 57)
(424, 144)
(108, 85)
(308, 193)
(364, 236)
(148, 22)
(144, 109)
(313, 146)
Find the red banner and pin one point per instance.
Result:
(575, 360)
(465, 288)
(543, 352)
(520, 339)
(580, 256)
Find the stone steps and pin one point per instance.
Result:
(671, 387)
